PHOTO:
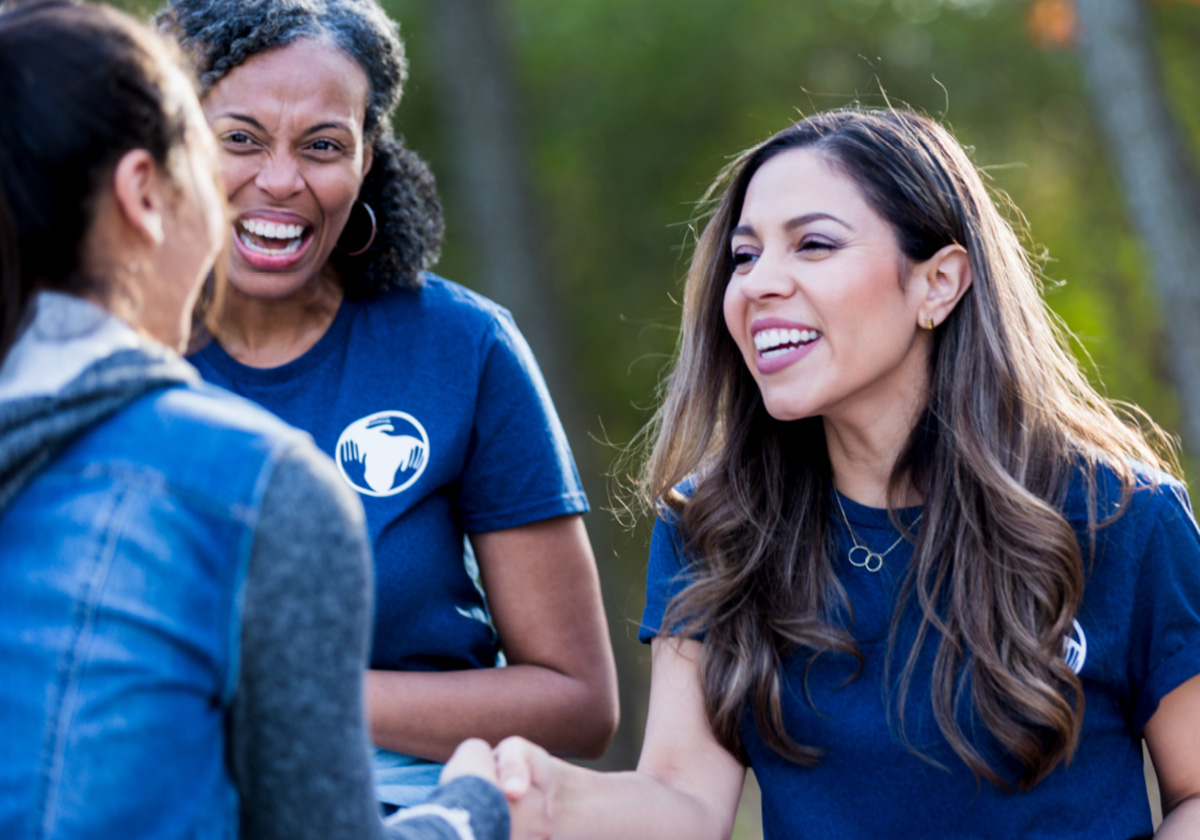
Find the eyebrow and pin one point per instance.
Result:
(246, 118)
(792, 224)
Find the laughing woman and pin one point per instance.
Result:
(913, 569)
(424, 393)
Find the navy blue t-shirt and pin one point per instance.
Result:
(1136, 638)
(434, 410)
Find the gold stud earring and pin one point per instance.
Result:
(929, 323)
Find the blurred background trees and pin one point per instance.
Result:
(572, 138)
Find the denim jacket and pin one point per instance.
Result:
(184, 609)
(124, 559)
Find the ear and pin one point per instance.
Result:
(139, 191)
(946, 276)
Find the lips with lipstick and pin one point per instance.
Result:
(778, 344)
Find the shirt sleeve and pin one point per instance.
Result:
(519, 467)
(1165, 628)
(666, 577)
(298, 742)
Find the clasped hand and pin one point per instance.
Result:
(522, 770)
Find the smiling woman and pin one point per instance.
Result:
(424, 393)
(818, 278)
(909, 565)
(289, 123)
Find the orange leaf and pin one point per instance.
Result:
(1051, 23)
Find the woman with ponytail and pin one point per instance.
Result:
(909, 566)
(425, 394)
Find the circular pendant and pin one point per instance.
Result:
(863, 558)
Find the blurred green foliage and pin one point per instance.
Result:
(632, 106)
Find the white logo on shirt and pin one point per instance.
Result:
(1075, 649)
(383, 453)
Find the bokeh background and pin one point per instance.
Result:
(572, 139)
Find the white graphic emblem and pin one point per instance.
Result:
(1075, 649)
(383, 453)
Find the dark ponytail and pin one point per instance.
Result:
(80, 85)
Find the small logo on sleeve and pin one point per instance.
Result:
(1075, 648)
(383, 453)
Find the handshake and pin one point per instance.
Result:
(525, 774)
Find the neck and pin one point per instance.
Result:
(267, 333)
(864, 447)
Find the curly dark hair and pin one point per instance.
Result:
(219, 35)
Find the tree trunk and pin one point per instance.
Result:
(478, 97)
(1159, 181)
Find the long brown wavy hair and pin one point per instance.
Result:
(997, 571)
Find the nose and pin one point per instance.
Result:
(280, 177)
(767, 278)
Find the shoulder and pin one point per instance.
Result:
(1121, 489)
(439, 301)
(1134, 506)
(202, 407)
(668, 518)
(197, 438)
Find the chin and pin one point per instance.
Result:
(786, 412)
(264, 286)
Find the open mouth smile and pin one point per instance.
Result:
(775, 342)
(271, 244)
(777, 347)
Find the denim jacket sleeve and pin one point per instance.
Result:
(298, 734)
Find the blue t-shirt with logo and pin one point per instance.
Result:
(1136, 638)
(434, 410)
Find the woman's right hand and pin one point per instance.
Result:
(527, 775)
(686, 787)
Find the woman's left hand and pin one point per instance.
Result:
(472, 758)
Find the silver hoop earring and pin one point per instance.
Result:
(370, 239)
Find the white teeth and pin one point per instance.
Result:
(291, 248)
(776, 341)
(270, 230)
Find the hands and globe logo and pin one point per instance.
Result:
(383, 453)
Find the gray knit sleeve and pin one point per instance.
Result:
(298, 743)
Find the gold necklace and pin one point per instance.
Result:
(861, 556)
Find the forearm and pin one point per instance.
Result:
(1182, 822)
(632, 805)
(427, 714)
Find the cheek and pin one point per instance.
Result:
(336, 191)
(236, 172)
(734, 306)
